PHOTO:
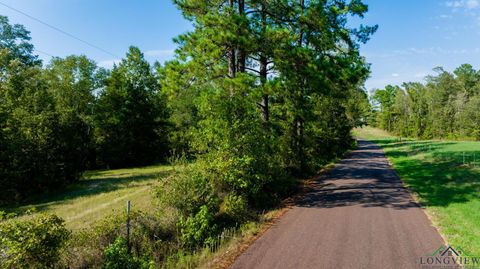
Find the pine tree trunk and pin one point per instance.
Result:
(300, 121)
(241, 59)
(231, 55)
(263, 69)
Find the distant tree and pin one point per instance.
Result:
(358, 108)
(131, 114)
(386, 99)
(33, 150)
(468, 80)
(39, 130)
(17, 39)
(74, 82)
(445, 107)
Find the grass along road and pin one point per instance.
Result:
(445, 176)
(99, 194)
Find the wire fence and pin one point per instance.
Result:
(469, 159)
(192, 259)
(174, 253)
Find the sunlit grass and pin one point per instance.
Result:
(446, 177)
(100, 193)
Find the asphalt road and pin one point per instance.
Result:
(358, 216)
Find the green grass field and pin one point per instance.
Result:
(100, 193)
(445, 176)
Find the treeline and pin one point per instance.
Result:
(260, 90)
(70, 115)
(446, 106)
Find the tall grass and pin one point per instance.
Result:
(99, 194)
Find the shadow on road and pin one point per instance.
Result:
(366, 178)
(363, 178)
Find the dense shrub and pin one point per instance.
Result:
(235, 207)
(118, 257)
(32, 243)
(187, 189)
(198, 230)
(152, 239)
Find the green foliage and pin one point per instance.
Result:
(32, 243)
(151, 238)
(448, 189)
(235, 207)
(445, 107)
(16, 39)
(386, 99)
(117, 257)
(73, 82)
(259, 97)
(260, 92)
(57, 121)
(187, 189)
(130, 115)
(199, 229)
(35, 152)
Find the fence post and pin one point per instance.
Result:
(128, 226)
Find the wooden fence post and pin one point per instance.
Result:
(128, 226)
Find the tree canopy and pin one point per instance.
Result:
(446, 106)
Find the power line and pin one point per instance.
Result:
(59, 30)
(43, 52)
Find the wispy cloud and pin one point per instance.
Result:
(421, 75)
(445, 16)
(463, 4)
(395, 75)
(430, 51)
(108, 63)
(160, 53)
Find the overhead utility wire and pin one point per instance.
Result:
(43, 52)
(59, 30)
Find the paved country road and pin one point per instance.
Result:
(358, 216)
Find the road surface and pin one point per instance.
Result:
(358, 216)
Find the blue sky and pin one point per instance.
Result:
(414, 36)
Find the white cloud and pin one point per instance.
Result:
(108, 63)
(420, 75)
(160, 53)
(466, 4)
(430, 51)
(395, 75)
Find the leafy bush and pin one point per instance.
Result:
(117, 257)
(188, 189)
(235, 207)
(199, 229)
(151, 238)
(86, 249)
(32, 243)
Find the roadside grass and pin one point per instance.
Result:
(228, 245)
(445, 177)
(98, 194)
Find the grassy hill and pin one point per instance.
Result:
(445, 176)
(98, 194)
